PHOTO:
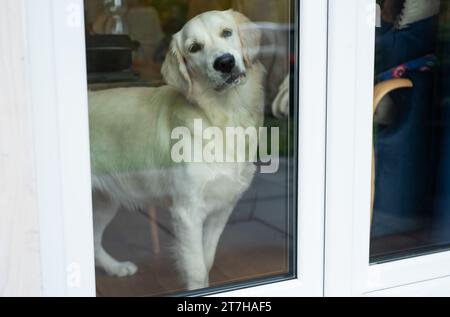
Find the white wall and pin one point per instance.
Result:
(20, 272)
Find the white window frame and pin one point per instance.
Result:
(349, 155)
(57, 72)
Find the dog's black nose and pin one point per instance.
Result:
(225, 63)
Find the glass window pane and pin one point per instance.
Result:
(192, 132)
(411, 207)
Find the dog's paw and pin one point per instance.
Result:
(123, 269)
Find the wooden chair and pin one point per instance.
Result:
(380, 91)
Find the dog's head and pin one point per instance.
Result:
(214, 50)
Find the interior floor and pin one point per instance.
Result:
(254, 245)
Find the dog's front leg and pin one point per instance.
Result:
(213, 229)
(189, 249)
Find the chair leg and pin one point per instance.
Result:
(372, 194)
(153, 219)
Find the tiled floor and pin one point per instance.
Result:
(254, 244)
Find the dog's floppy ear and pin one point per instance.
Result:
(250, 36)
(175, 70)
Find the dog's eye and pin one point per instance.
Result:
(227, 33)
(196, 47)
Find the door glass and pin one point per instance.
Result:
(411, 202)
(192, 111)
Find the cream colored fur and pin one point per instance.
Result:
(130, 143)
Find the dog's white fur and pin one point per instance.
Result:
(130, 142)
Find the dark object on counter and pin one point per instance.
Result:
(127, 76)
(109, 53)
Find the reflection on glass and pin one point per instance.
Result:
(411, 207)
(192, 127)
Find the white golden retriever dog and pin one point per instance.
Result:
(213, 74)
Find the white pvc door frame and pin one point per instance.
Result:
(57, 72)
(349, 153)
